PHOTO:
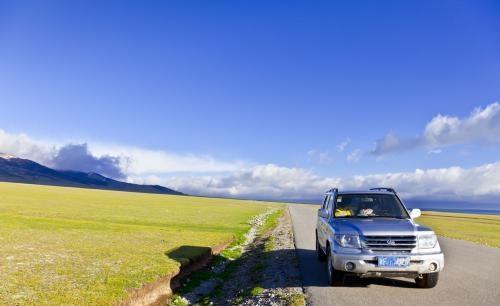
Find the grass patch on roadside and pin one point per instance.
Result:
(80, 246)
(177, 300)
(271, 221)
(256, 291)
(269, 224)
(482, 229)
(297, 299)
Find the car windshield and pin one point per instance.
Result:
(369, 206)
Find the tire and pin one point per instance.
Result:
(335, 277)
(319, 252)
(428, 280)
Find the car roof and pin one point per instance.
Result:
(365, 192)
(344, 192)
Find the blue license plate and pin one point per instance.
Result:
(393, 261)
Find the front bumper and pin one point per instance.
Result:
(365, 265)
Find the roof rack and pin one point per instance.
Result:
(384, 189)
(334, 190)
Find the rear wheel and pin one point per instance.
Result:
(429, 280)
(335, 277)
(319, 252)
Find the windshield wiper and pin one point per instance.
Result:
(393, 217)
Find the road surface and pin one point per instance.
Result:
(471, 275)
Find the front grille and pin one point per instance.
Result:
(403, 244)
(375, 261)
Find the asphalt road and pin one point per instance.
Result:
(471, 275)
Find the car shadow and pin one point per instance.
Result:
(314, 274)
(351, 281)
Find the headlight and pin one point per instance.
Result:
(427, 241)
(348, 241)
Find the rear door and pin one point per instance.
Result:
(329, 209)
(323, 220)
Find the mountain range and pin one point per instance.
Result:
(19, 170)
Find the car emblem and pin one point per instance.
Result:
(391, 242)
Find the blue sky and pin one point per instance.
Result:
(243, 84)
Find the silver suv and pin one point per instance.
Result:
(372, 234)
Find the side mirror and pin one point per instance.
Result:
(322, 213)
(415, 213)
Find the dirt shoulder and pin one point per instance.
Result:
(279, 281)
(266, 272)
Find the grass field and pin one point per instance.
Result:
(79, 246)
(483, 229)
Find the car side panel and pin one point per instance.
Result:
(321, 232)
(323, 226)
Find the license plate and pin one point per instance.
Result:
(393, 261)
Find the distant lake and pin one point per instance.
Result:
(464, 207)
(465, 211)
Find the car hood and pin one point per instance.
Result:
(377, 226)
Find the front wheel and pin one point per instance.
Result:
(335, 277)
(429, 280)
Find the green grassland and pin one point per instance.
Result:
(78, 246)
(483, 229)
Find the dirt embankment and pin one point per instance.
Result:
(160, 291)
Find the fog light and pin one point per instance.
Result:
(432, 267)
(350, 266)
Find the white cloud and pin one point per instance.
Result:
(261, 182)
(341, 146)
(355, 156)
(139, 161)
(22, 145)
(320, 157)
(275, 182)
(132, 161)
(443, 183)
(481, 126)
(435, 151)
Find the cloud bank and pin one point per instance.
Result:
(115, 161)
(275, 182)
(204, 175)
(481, 126)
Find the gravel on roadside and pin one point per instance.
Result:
(280, 277)
(266, 273)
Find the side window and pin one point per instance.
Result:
(330, 204)
(325, 202)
